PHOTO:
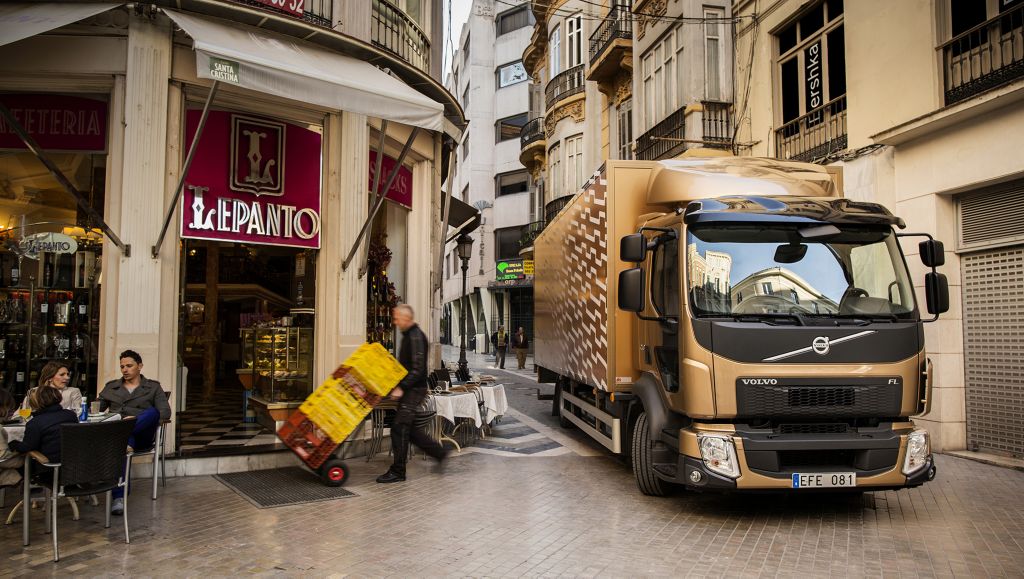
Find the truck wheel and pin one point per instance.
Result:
(643, 465)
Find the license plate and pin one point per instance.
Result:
(824, 480)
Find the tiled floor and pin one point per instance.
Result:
(217, 427)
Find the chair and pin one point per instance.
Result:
(157, 451)
(95, 460)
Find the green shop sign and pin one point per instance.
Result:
(513, 269)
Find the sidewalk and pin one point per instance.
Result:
(482, 362)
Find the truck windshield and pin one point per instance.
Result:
(797, 270)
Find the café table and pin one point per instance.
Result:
(495, 402)
(454, 405)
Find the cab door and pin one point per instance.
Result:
(659, 344)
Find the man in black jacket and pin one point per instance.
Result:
(410, 393)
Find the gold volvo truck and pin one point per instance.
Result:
(734, 323)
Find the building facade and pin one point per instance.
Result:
(201, 193)
(921, 103)
(489, 79)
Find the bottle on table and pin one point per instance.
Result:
(84, 415)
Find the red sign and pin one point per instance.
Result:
(401, 189)
(293, 7)
(56, 122)
(253, 180)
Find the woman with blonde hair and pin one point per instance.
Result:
(57, 375)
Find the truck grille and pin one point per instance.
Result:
(797, 399)
(813, 428)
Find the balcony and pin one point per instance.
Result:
(531, 143)
(717, 124)
(393, 30)
(665, 139)
(987, 56)
(530, 232)
(611, 45)
(565, 84)
(554, 207)
(815, 136)
(316, 12)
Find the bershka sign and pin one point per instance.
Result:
(401, 190)
(56, 122)
(253, 180)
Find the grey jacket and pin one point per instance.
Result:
(116, 398)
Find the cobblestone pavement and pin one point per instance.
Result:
(574, 513)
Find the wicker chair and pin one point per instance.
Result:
(95, 460)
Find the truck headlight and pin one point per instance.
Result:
(719, 454)
(918, 450)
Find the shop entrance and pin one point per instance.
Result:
(246, 341)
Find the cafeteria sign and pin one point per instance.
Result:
(253, 180)
(514, 269)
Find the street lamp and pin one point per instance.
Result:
(464, 248)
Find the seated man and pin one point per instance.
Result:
(135, 395)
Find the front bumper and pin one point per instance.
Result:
(876, 457)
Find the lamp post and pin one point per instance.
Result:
(464, 247)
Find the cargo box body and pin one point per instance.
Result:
(580, 333)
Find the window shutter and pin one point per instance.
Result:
(991, 217)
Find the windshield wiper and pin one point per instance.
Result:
(868, 318)
(770, 319)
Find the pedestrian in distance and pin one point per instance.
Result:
(522, 345)
(410, 393)
(494, 346)
(501, 345)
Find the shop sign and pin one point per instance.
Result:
(401, 190)
(32, 245)
(224, 70)
(513, 269)
(293, 7)
(253, 180)
(56, 122)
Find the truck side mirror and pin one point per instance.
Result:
(631, 289)
(633, 248)
(932, 253)
(936, 289)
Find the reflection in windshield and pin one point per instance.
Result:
(757, 269)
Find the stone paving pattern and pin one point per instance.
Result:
(570, 514)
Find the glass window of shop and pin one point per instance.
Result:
(250, 233)
(386, 256)
(50, 256)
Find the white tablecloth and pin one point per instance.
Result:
(14, 432)
(495, 402)
(452, 406)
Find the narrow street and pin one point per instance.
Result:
(533, 499)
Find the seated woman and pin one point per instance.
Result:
(10, 461)
(42, 432)
(56, 375)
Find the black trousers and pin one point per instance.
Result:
(499, 358)
(403, 431)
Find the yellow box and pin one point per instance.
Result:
(379, 370)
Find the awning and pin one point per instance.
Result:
(23, 20)
(462, 217)
(276, 64)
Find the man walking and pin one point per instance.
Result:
(522, 345)
(410, 393)
(499, 360)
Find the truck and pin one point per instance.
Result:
(735, 324)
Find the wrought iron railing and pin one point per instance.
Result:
(394, 31)
(565, 84)
(552, 209)
(532, 132)
(717, 124)
(664, 140)
(618, 24)
(317, 12)
(814, 136)
(989, 55)
(530, 232)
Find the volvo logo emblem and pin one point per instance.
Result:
(820, 345)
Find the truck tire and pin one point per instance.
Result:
(643, 465)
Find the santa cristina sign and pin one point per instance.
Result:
(254, 180)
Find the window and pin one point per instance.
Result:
(555, 64)
(413, 9)
(766, 288)
(661, 66)
(506, 242)
(812, 61)
(514, 19)
(511, 73)
(465, 50)
(665, 276)
(511, 183)
(509, 127)
(712, 53)
(465, 99)
(625, 128)
(555, 171)
(465, 148)
(574, 41)
(465, 193)
(574, 163)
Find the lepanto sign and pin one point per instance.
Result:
(253, 180)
